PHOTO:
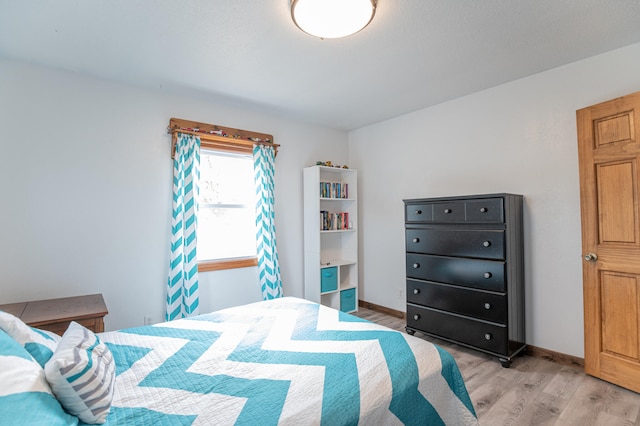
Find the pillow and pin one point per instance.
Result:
(25, 396)
(39, 343)
(81, 373)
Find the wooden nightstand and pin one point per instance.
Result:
(56, 314)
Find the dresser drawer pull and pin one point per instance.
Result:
(487, 275)
(487, 244)
(416, 291)
(416, 265)
(447, 211)
(483, 209)
(418, 212)
(488, 336)
(416, 240)
(416, 317)
(487, 305)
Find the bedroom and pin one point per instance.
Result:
(88, 165)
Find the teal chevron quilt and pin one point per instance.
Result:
(282, 362)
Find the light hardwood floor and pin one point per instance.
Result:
(533, 391)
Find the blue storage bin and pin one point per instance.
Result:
(328, 279)
(348, 300)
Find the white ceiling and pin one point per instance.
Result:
(414, 54)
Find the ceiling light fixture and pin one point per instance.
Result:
(332, 18)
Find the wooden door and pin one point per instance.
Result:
(609, 156)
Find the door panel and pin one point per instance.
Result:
(619, 295)
(616, 202)
(608, 157)
(617, 128)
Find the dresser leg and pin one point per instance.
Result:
(506, 363)
(410, 331)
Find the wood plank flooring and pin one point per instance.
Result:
(534, 391)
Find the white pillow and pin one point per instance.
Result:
(39, 343)
(25, 395)
(81, 373)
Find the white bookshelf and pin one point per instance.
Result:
(331, 248)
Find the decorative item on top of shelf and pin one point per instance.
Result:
(330, 164)
(222, 133)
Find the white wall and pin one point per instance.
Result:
(86, 175)
(85, 172)
(519, 137)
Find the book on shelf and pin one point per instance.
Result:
(334, 190)
(334, 221)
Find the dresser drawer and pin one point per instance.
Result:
(449, 212)
(486, 210)
(418, 212)
(475, 273)
(464, 301)
(487, 244)
(480, 334)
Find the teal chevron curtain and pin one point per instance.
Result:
(268, 267)
(182, 284)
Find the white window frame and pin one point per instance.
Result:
(226, 263)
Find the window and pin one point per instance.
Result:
(226, 218)
(227, 199)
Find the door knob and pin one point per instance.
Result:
(590, 257)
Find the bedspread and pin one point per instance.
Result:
(285, 361)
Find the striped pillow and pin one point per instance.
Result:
(25, 396)
(39, 343)
(81, 373)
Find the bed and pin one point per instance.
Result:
(286, 361)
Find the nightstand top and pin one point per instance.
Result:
(39, 312)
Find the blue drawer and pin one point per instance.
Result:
(348, 300)
(328, 279)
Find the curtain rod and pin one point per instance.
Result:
(224, 136)
(228, 139)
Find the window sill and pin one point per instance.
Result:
(219, 265)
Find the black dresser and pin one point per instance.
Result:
(465, 271)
